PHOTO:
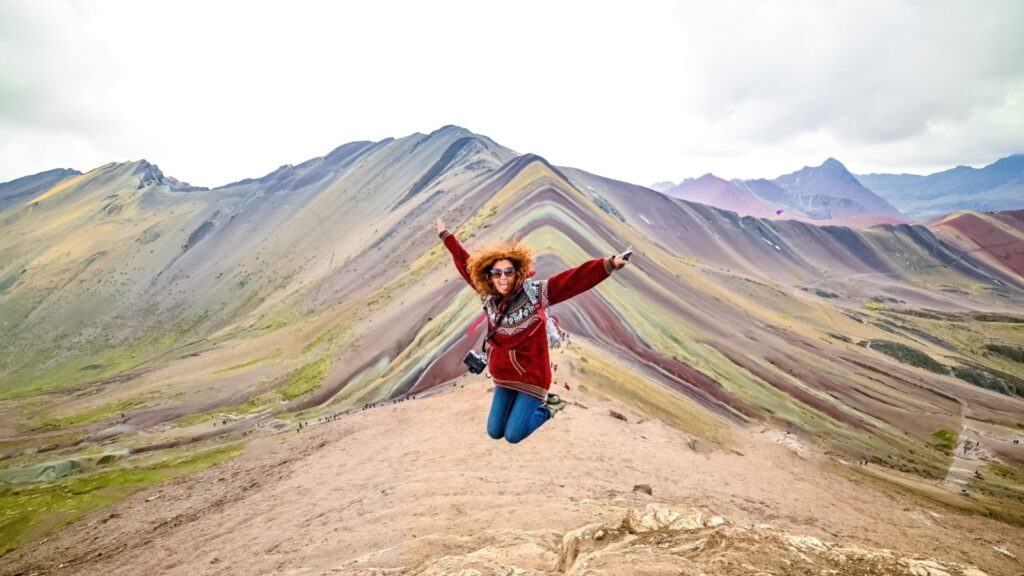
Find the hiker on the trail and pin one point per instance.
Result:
(516, 342)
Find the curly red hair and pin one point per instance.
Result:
(481, 262)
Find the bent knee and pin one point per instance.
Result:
(515, 437)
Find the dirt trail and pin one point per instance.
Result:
(968, 455)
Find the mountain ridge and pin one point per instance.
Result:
(830, 191)
(997, 186)
(994, 187)
(714, 191)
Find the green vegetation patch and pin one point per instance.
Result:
(111, 410)
(945, 440)
(306, 379)
(256, 404)
(97, 361)
(11, 445)
(9, 281)
(36, 509)
(989, 317)
(193, 419)
(1005, 472)
(984, 380)
(907, 355)
(928, 315)
(1011, 352)
(275, 320)
(252, 362)
(333, 336)
(888, 299)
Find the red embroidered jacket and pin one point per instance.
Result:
(518, 357)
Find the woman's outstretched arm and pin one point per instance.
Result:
(459, 254)
(578, 280)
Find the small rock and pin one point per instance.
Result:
(645, 488)
(1003, 550)
(806, 543)
(927, 568)
(616, 415)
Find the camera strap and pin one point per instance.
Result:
(490, 334)
(497, 323)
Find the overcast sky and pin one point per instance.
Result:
(214, 92)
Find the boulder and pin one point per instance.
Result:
(645, 488)
(662, 517)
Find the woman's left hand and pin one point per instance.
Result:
(619, 263)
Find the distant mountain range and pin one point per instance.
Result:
(831, 194)
(998, 186)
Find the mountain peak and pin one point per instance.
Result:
(451, 129)
(830, 191)
(832, 163)
(830, 168)
(150, 174)
(720, 193)
(710, 178)
(524, 160)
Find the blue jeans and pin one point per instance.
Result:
(515, 415)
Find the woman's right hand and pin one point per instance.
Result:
(439, 224)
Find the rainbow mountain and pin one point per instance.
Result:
(322, 287)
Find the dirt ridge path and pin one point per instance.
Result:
(968, 455)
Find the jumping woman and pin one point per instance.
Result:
(517, 337)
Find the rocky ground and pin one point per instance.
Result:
(419, 488)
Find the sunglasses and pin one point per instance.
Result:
(497, 272)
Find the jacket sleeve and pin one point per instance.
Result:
(574, 281)
(459, 254)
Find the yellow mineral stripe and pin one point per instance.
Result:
(58, 188)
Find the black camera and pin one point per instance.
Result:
(475, 361)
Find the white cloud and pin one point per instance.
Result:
(857, 77)
(215, 92)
